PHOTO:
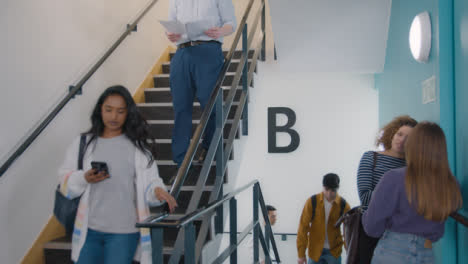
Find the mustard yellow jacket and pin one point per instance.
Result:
(311, 235)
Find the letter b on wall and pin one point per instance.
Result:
(273, 129)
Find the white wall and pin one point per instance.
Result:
(336, 118)
(46, 46)
(333, 97)
(332, 35)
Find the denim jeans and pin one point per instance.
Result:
(108, 248)
(194, 72)
(402, 248)
(326, 258)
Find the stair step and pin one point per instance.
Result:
(168, 169)
(163, 130)
(162, 80)
(164, 151)
(237, 54)
(166, 67)
(165, 111)
(163, 94)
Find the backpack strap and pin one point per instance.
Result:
(314, 205)
(81, 151)
(375, 161)
(342, 206)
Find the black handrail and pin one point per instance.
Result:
(195, 214)
(460, 218)
(157, 224)
(74, 90)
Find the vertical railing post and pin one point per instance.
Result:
(219, 214)
(220, 166)
(245, 112)
(264, 33)
(189, 244)
(157, 244)
(255, 220)
(233, 229)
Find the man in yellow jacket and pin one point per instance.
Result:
(317, 231)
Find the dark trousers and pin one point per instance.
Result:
(367, 246)
(194, 71)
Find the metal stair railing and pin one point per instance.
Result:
(186, 223)
(216, 150)
(73, 90)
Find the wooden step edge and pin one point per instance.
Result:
(166, 75)
(170, 104)
(170, 122)
(168, 89)
(232, 61)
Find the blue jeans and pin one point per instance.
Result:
(108, 248)
(402, 248)
(326, 258)
(194, 71)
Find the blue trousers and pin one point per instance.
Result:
(326, 258)
(402, 248)
(194, 71)
(108, 248)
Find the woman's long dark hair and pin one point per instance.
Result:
(135, 127)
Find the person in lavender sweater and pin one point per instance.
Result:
(410, 204)
(374, 164)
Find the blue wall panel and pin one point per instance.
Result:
(461, 92)
(399, 85)
(400, 89)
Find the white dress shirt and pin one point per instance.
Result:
(218, 12)
(328, 207)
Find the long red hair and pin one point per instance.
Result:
(431, 187)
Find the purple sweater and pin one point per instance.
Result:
(389, 209)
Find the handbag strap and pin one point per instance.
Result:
(373, 168)
(81, 151)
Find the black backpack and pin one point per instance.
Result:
(314, 205)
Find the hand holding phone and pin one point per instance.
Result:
(98, 172)
(99, 166)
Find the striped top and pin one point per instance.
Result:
(366, 181)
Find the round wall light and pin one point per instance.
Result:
(420, 37)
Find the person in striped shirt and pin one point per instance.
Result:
(373, 165)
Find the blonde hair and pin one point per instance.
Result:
(430, 186)
(390, 129)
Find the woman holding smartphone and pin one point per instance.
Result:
(117, 194)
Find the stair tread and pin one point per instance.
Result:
(163, 89)
(232, 60)
(166, 75)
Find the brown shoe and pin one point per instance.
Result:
(202, 155)
(172, 179)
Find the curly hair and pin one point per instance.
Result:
(389, 130)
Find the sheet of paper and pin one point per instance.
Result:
(197, 28)
(173, 26)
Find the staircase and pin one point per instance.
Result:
(158, 111)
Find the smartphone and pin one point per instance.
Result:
(100, 166)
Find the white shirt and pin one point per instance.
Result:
(217, 12)
(328, 207)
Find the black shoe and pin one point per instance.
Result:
(202, 155)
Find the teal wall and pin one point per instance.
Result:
(399, 85)
(400, 91)
(461, 116)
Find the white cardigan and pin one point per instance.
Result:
(73, 184)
